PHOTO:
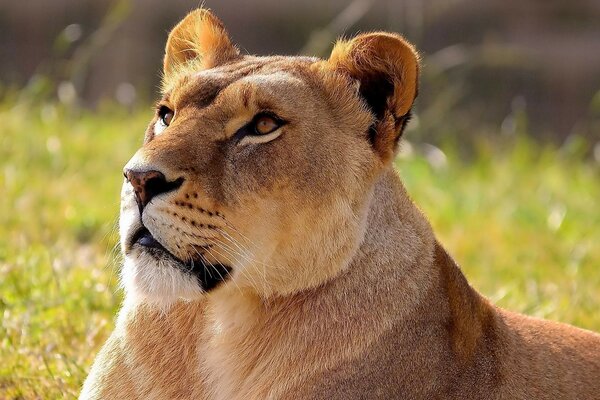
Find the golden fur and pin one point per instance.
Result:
(337, 287)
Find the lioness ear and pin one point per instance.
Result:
(199, 40)
(386, 68)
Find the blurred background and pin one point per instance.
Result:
(482, 60)
(503, 154)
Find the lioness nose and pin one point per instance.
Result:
(148, 184)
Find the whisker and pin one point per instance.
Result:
(232, 240)
(242, 270)
(237, 231)
(208, 267)
(223, 279)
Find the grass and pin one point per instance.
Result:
(522, 220)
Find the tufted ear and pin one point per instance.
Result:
(386, 68)
(199, 40)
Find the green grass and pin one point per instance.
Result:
(522, 221)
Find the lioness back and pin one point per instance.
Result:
(271, 250)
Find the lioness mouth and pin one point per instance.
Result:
(144, 238)
(209, 275)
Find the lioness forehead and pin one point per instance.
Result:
(200, 88)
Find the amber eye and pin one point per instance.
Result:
(165, 114)
(265, 124)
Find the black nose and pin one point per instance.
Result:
(148, 184)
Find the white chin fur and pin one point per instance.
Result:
(146, 280)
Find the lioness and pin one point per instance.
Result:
(271, 251)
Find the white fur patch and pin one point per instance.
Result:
(147, 280)
(159, 127)
(265, 81)
(143, 277)
(261, 139)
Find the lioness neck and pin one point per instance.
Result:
(386, 283)
(382, 274)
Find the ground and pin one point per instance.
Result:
(521, 218)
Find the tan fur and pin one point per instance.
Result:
(197, 42)
(338, 288)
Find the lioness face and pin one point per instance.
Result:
(254, 173)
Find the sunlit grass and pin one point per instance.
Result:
(522, 221)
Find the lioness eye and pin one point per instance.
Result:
(265, 124)
(165, 114)
(263, 128)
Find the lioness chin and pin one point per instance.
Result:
(272, 252)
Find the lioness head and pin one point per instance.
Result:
(256, 172)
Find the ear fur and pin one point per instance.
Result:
(386, 67)
(199, 41)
